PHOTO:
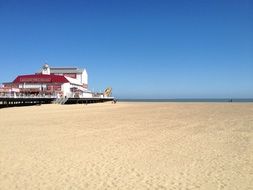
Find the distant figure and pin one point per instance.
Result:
(114, 101)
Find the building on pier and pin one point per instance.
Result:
(60, 82)
(71, 72)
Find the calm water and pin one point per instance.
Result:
(186, 100)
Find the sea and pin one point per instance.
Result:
(189, 100)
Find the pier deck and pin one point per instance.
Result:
(29, 101)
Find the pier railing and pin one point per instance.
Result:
(29, 96)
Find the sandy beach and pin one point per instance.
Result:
(127, 146)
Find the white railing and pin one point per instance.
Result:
(27, 96)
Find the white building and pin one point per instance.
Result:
(63, 81)
(72, 72)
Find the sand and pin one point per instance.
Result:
(127, 146)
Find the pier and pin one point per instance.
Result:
(29, 101)
(51, 85)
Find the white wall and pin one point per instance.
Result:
(87, 95)
(32, 85)
(65, 88)
(85, 77)
(79, 77)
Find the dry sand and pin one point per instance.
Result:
(127, 146)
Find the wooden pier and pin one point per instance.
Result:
(29, 101)
(88, 100)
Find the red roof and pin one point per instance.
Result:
(40, 78)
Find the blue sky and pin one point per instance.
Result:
(143, 49)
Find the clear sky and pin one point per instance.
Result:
(142, 48)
